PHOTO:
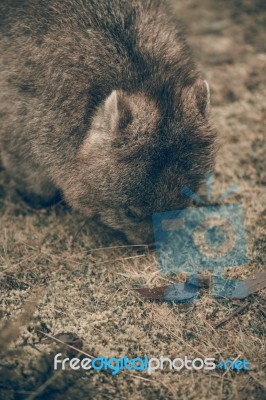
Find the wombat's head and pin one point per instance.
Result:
(138, 155)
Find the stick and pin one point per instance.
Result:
(238, 311)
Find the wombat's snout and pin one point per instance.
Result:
(140, 235)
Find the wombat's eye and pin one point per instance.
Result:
(134, 213)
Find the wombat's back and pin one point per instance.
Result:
(61, 59)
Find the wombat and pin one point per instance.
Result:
(101, 102)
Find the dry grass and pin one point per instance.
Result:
(88, 289)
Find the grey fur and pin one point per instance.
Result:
(101, 101)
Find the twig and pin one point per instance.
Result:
(66, 344)
(11, 329)
(238, 311)
(260, 382)
(262, 311)
(138, 377)
(42, 387)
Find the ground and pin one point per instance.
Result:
(55, 270)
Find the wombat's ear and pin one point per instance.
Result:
(110, 111)
(115, 112)
(203, 95)
(197, 97)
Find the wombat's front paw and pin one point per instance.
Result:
(36, 201)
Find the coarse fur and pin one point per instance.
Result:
(101, 102)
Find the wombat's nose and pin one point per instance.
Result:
(141, 238)
(151, 246)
